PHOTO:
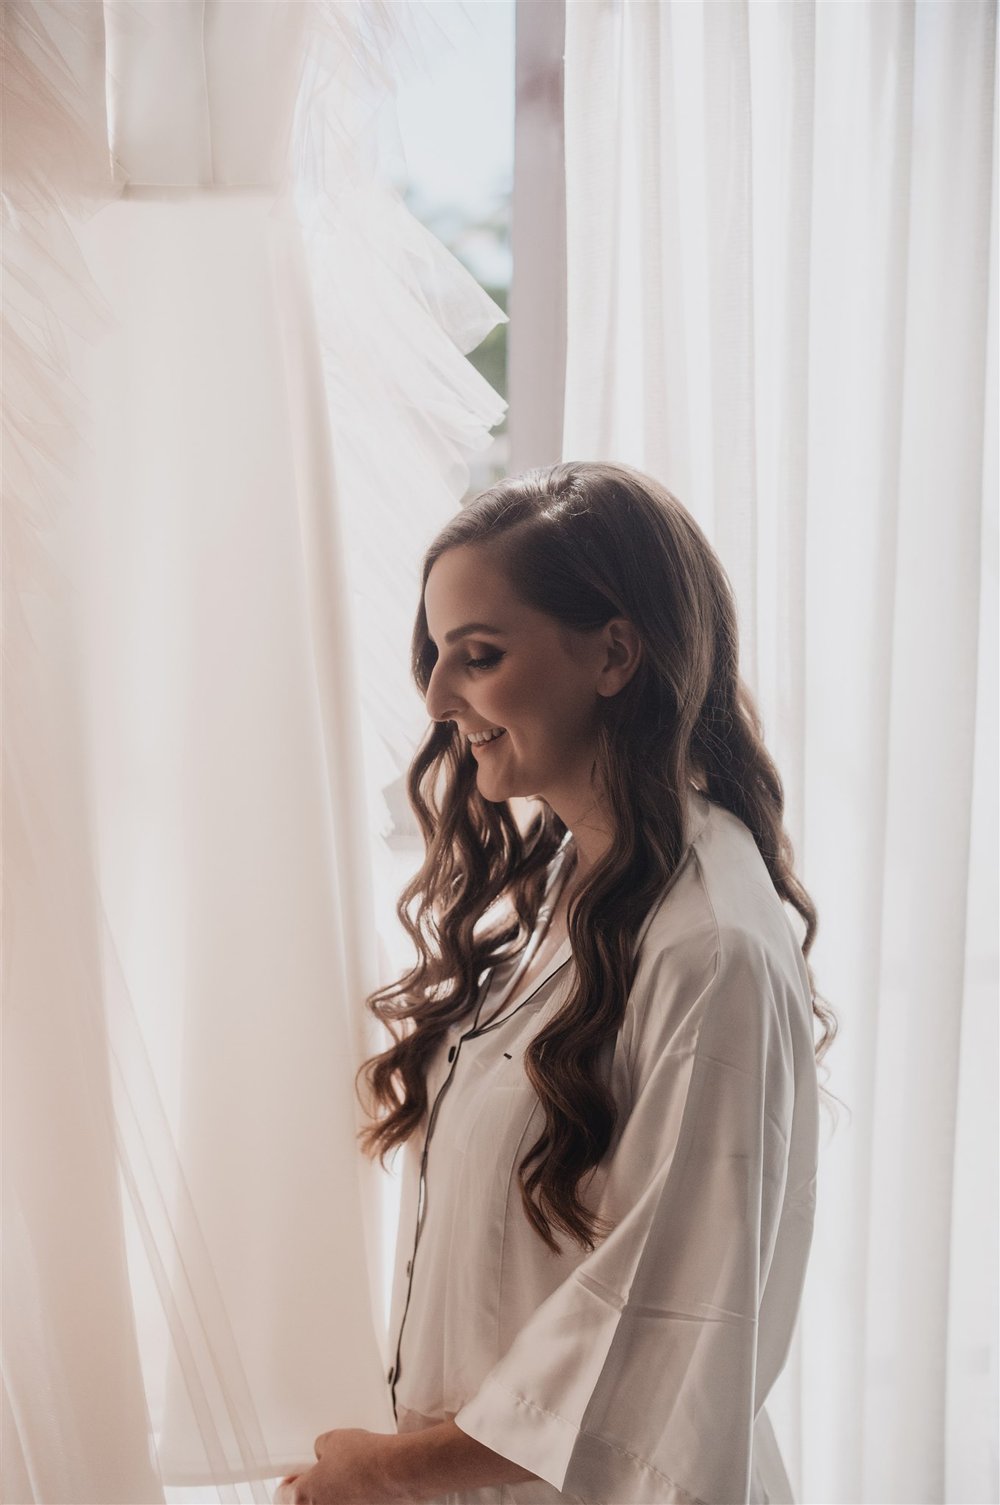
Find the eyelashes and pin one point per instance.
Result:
(477, 665)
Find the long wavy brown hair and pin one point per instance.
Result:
(584, 542)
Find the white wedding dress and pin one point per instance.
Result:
(237, 408)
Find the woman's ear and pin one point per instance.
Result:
(622, 654)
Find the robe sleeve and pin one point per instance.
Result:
(635, 1380)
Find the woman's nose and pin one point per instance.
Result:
(441, 701)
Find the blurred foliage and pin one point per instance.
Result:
(490, 358)
(477, 241)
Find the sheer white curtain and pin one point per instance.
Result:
(782, 249)
(236, 407)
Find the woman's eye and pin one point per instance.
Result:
(483, 663)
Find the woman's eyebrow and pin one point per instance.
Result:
(461, 632)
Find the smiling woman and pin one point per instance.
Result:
(645, 1081)
(536, 699)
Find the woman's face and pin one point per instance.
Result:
(538, 681)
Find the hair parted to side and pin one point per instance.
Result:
(584, 542)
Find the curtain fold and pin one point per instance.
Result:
(781, 234)
(215, 312)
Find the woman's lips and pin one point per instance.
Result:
(479, 747)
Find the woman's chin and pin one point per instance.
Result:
(497, 787)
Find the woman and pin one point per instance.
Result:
(607, 1090)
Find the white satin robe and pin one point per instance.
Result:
(638, 1372)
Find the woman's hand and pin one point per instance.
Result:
(397, 1468)
(349, 1471)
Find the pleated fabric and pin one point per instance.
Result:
(782, 302)
(236, 404)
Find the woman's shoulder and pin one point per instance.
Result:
(722, 910)
(718, 958)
